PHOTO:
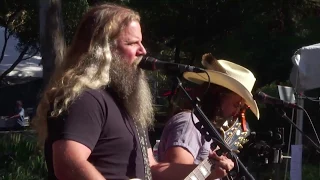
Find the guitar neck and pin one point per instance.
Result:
(202, 171)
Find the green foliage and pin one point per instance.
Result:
(269, 118)
(72, 11)
(272, 89)
(261, 35)
(20, 157)
(311, 171)
(25, 25)
(19, 17)
(21, 160)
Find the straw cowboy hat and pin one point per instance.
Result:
(232, 76)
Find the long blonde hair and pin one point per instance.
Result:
(87, 62)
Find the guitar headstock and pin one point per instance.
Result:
(236, 136)
(235, 131)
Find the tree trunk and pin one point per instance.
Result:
(52, 44)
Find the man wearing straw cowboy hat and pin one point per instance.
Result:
(229, 91)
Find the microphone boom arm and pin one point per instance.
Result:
(284, 115)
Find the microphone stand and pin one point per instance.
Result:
(210, 133)
(284, 115)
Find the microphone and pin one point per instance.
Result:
(266, 99)
(153, 64)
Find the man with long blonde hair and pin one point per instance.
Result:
(95, 112)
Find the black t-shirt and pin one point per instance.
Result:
(97, 120)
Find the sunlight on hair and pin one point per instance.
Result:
(86, 65)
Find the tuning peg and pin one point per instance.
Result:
(236, 151)
(243, 140)
(240, 146)
(244, 133)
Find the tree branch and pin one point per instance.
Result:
(18, 60)
(36, 52)
(6, 34)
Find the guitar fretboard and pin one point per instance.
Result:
(202, 171)
(234, 137)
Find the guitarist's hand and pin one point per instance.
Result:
(221, 166)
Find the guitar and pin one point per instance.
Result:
(234, 136)
(234, 132)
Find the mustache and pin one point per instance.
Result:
(137, 61)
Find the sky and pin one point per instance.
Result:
(26, 68)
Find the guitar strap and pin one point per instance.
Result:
(142, 136)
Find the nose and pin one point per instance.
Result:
(142, 51)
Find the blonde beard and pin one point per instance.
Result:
(131, 85)
(139, 103)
